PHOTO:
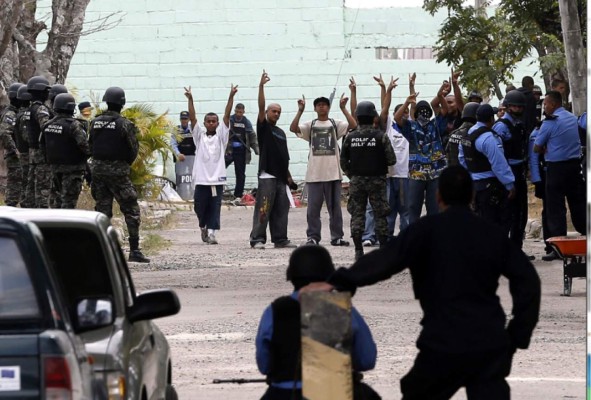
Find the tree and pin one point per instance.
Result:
(486, 48)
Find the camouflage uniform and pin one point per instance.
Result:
(364, 151)
(27, 188)
(110, 178)
(11, 156)
(66, 175)
(39, 171)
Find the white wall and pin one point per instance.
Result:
(162, 46)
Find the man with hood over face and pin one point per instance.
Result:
(426, 153)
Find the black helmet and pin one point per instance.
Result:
(114, 95)
(474, 94)
(366, 109)
(57, 89)
(469, 111)
(64, 102)
(38, 84)
(23, 93)
(537, 90)
(309, 264)
(484, 113)
(515, 98)
(13, 90)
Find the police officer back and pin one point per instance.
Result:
(39, 114)
(481, 152)
(66, 148)
(7, 142)
(365, 158)
(114, 147)
(22, 145)
(453, 143)
(559, 138)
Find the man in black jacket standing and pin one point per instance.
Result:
(455, 260)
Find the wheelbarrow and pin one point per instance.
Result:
(573, 251)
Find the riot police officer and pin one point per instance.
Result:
(365, 158)
(53, 92)
(54, 193)
(39, 172)
(515, 142)
(468, 121)
(66, 148)
(7, 142)
(22, 144)
(114, 147)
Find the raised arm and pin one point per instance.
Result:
(229, 104)
(457, 90)
(295, 124)
(387, 101)
(191, 107)
(410, 100)
(350, 119)
(411, 90)
(443, 91)
(380, 82)
(264, 79)
(353, 89)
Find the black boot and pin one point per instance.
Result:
(358, 247)
(135, 255)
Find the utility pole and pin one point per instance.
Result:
(576, 64)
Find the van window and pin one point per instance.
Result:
(17, 295)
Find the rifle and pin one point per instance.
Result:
(239, 381)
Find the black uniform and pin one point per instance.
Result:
(456, 259)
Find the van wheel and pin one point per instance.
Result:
(170, 393)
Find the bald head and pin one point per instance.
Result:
(273, 113)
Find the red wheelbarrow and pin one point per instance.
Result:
(573, 251)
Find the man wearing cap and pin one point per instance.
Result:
(426, 152)
(186, 147)
(323, 175)
(85, 111)
(475, 97)
(481, 152)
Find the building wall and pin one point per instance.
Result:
(308, 47)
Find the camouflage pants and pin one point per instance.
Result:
(39, 184)
(106, 187)
(26, 201)
(66, 187)
(13, 181)
(362, 188)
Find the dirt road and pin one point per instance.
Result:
(224, 289)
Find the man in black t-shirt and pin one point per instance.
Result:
(274, 179)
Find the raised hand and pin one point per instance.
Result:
(233, 89)
(392, 85)
(379, 80)
(445, 88)
(188, 93)
(454, 76)
(412, 99)
(411, 78)
(343, 101)
(352, 84)
(264, 78)
(302, 103)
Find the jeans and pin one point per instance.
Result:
(238, 157)
(271, 208)
(207, 207)
(319, 192)
(396, 192)
(420, 192)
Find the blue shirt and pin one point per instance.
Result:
(503, 131)
(426, 158)
(559, 133)
(583, 120)
(534, 158)
(363, 349)
(173, 142)
(491, 146)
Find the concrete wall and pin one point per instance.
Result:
(307, 46)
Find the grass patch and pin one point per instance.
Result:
(153, 242)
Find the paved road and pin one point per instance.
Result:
(224, 289)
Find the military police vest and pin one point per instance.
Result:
(515, 148)
(22, 121)
(475, 160)
(286, 346)
(452, 149)
(187, 145)
(60, 146)
(8, 116)
(367, 153)
(33, 128)
(108, 140)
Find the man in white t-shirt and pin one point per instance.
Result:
(209, 168)
(324, 174)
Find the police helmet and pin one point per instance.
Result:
(57, 89)
(13, 90)
(515, 98)
(114, 95)
(366, 109)
(537, 90)
(474, 95)
(469, 111)
(38, 84)
(23, 93)
(484, 113)
(64, 102)
(309, 264)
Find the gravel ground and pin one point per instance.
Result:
(224, 289)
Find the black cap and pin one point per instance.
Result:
(83, 105)
(184, 114)
(321, 100)
(484, 113)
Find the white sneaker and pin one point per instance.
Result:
(237, 201)
(258, 245)
(367, 243)
(211, 239)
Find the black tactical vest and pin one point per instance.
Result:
(22, 120)
(452, 149)
(286, 342)
(475, 160)
(33, 128)
(367, 154)
(187, 145)
(108, 141)
(60, 146)
(515, 148)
